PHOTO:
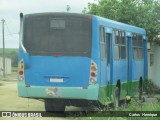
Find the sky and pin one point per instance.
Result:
(10, 9)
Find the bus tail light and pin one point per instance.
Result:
(93, 73)
(21, 70)
(93, 68)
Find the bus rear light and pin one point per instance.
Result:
(93, 68)
(20, 66)
(92, 80)
(93, 74)
(20, 72)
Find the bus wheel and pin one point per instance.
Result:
(117, 97)
(48, 105)
(51, 106)
(140, 89)
(58, 109)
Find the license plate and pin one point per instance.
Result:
(58, 80)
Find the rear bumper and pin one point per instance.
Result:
(90, 93)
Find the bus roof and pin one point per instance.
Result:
(102, 21)
(118, 25)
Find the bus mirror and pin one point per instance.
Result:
(26, 60)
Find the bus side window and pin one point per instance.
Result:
(102, 43)
(108, 47)
(119, 44)
(137, 46)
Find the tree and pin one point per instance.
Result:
(141, 13)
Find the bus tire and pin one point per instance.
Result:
(48, 105)
(117, 97)
(51, 106)
(59, 109)
(140, 89)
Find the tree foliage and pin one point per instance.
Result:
(141, 13)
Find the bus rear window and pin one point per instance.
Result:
(62, 34)
(57, 24)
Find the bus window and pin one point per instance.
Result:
(137, 46)
(57, 23)
(120, 44)
(108, 47)
(58, 34)
(102, 43)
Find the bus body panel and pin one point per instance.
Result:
(58, 71)
(89, 93)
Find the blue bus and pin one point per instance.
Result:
(71, 59)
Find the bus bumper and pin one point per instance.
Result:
(88, 93)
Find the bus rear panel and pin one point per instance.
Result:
(57, 62)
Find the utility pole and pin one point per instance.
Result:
(3, 47)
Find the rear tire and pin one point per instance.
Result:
(52, 106)
(117, 97)
(48, 105)
(140, 89)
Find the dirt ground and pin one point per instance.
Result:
(9, 100)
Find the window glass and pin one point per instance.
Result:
(58, 33)
(135, 53)
(140, 53)
(123, 52)
(57, 23)
(102, 34)
(102, 51)
(102, 45)
(137, 46)
(120, 44)
(116, 52)
(108, 47)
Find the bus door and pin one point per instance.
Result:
(103, 56)
(129, 60)
(108, 55)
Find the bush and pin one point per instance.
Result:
(148, 87)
